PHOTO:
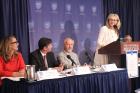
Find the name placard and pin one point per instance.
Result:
(48, 74)
(81, 70)
(108, 67)
(132, 63)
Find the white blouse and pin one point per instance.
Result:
(106, 36)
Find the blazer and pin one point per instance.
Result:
(62, 57)
(35, 58)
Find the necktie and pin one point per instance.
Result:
(45, 61)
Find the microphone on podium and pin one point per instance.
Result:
(115, 27)
(69, 57)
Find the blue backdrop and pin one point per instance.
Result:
(57, 19)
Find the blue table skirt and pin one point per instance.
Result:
(109, 82)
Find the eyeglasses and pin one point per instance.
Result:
(16, 42)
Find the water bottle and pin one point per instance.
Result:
(30, 72)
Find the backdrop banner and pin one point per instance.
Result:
(57, 19)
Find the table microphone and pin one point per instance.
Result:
(69, 57)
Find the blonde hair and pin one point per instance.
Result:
(117, 17)
(6, 49)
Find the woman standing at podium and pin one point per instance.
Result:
(107, 34)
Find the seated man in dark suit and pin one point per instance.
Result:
(43, 58)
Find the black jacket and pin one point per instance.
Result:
(36, 59)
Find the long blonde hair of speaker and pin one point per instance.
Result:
(117, 17)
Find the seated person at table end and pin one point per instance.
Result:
(11, 61)
(127, 38)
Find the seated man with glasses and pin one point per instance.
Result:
(67, 57)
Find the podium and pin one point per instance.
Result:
(116, 51)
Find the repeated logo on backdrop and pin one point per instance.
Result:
(58, 19)
(68, 8)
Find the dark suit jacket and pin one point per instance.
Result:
(36, 59)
